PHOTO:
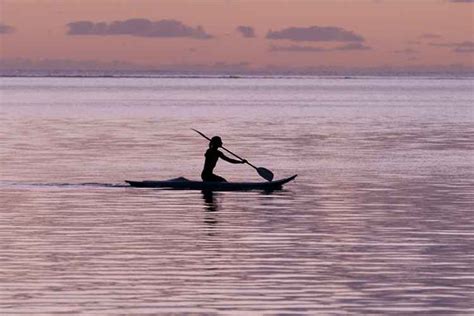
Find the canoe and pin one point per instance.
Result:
(185, 184)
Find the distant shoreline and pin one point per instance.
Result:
(242, 76)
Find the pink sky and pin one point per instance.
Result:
(313, 33)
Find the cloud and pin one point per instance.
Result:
(68, 67)
(407, 51)
(310, 49)
(5, 29)
(464, 47)
(460, 47)
(352, 46)
(220, 67)
(138, 27)
(51, 67)
(429, 36)
(246, 31)
(297, 48)
(315, 34)
(65, 64)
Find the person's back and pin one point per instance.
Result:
(212, 156)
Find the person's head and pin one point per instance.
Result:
(215, 142)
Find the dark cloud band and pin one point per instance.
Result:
(5, 29)
(315, 34)
(246, 31)
(461, 47)
(138, 27)
(310, 49)
(406, 51)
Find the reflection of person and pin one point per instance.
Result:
(209, 201)
(212, 155)
(211, 207)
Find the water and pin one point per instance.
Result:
(380, 219)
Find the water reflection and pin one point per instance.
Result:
(210, 207)
(210, 202)
(379, 222)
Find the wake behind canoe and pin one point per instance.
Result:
(185, 184)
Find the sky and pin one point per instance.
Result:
(290, 35)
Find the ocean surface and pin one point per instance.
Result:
(380, 219)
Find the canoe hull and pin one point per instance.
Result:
(184, 184)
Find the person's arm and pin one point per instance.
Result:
(221, 155)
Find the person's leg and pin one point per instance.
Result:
(212, 178)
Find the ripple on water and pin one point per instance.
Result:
(379, 220)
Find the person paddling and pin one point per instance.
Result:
(212, 155)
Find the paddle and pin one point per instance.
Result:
(263, 172)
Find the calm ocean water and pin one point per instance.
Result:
(380, 219)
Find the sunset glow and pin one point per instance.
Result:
(245, 35)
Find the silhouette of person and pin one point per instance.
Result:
(212, 155)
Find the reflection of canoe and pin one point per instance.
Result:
(185, 184)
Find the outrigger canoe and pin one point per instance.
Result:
(185, 184)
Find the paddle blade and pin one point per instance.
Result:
(265, 173)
